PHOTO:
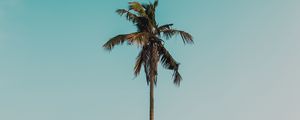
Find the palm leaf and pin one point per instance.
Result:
(139, 38)
(177, 78)
(166, 59)
(140, 60)
(169, 62)
(155, 3)
(165, 27)
(129, 16)
(137, 7)
(186, 37)
(119, 39)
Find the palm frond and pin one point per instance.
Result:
(177, 78)
(165, 27)
(129, 16)
(138, 64)
(186, 37)
(150, 10)
(119, 39)
(169, 62)
(139, 38)
(155, 3)
(137, 7)
(140, 60)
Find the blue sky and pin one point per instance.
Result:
(244, 64)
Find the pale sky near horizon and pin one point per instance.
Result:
(244, 64)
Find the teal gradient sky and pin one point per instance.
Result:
(244, 64)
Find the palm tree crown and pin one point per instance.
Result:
(148, 37)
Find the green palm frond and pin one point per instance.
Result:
(129, 16)
(137, 7)
(139, 38)
(186, 37)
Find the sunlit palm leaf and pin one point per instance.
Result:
(138, 38)
(134, 38)
(136, 6)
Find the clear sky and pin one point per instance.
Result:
(244, 64)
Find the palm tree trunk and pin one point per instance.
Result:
(153, 73)
(152, 99)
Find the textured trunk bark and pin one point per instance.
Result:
(152, 99)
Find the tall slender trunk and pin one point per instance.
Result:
(152, 99)
(153, 73)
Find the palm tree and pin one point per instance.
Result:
(148, 38)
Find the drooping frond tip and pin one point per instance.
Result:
(155, 3)
(177, 78)
(169, 62)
